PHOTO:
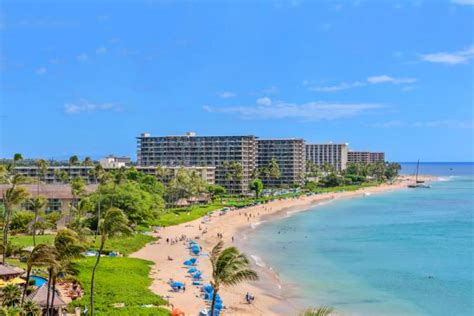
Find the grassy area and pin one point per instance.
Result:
(182, 215)
(125, 244)
(119, 280)
(352, 187)
(27, 240)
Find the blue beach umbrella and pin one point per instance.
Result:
(197, 275)
(192, 270)
(176, 285)
(207, 288)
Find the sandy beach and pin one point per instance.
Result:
(266, 291)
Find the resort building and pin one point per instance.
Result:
(111, 162)
(62, 174)
(365, 156)
(234, 157)
(58, 174)
(289, 154)
(59, 195)
(332, 154)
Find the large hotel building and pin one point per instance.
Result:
(365, 156)
(222, 152)
(333, 154)
(191, 150)
(289, 153)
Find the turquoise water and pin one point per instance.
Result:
(408, 252)
(39, 281)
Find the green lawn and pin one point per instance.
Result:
(125, 244)
(352, 187)
(183, 215)
(27, 240)
(119, 280)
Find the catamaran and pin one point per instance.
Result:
(419, 184)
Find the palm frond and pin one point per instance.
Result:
(320, 311)
(216, 251)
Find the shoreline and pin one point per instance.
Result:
(235, 224)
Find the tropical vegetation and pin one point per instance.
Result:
(127, 202)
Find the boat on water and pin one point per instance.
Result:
(419, 184)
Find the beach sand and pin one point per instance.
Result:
(268, 300)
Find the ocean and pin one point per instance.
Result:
(408, 252)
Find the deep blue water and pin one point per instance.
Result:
(408, 252)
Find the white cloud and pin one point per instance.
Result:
(453, 58)
(264, 101)
(463, 2)
(82, 57)
(388, 79)
(445, 124)
(311, 111)
(101, 50)
(349, 85)
(41, 70)
(455, 124)
(227, 94)
(85, 106)
(339, 87)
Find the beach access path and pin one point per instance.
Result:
(205, 232)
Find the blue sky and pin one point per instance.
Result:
(86, 78)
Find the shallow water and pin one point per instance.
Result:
(408, 252)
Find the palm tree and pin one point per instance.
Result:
(78, 188)
(9, 311)
(73, 160)
(320, 311)
(67, 247)
(229, 267)
(102, 177)
(42, 166)
(37, 205)
(13, 196)
(115, 222)
(11, 295)
(88, 161)
(30, 308)
(41, 255)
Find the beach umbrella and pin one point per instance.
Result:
(192, 270)
(177, 284)
(197, 275)
(193, 260)
(207, 288)
(195, 251)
